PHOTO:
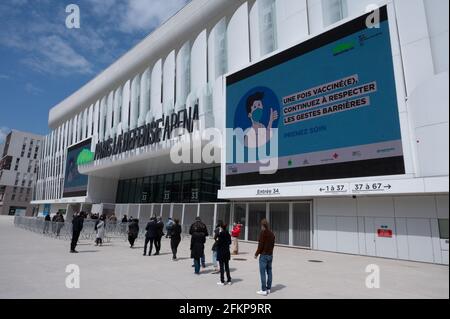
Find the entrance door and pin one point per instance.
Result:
(256, 213)
(301, 224)
(279, 221)
(385, 242)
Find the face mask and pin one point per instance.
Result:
(257, 115)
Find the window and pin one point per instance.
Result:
(267, 26)
(443, 228)
(323, 13)
(13, 197)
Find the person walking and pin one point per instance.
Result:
(47, 221)
(100, 226)
(266, 244)
(59, 223)
(77, 227)
(199, 226)
(133, 232)
(235, 233)
(175, 237)
(169, 226)
(214, 247)
(159, 234)
(223, 254)
(150, 235)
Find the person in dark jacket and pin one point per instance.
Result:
(77, 227)
(133, 232)
(214, 247)
(60, 223)
(199, 226)
(198, 240)
(159, 234)
(150, 235)
(175, 237)
(223, 254)
(266, 245)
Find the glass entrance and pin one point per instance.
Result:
(256, 213)
(279, 221)
(301, 224)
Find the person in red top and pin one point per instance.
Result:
(235, 233)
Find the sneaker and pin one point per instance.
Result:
(74, 252)
(229, 282)
(221, 283)
(262, 293)
(144, 254)
(268, 291)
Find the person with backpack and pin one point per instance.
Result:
(169, 226)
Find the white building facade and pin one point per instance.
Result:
(177, 75)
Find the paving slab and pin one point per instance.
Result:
(34, 266)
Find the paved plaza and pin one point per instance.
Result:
(33, 266)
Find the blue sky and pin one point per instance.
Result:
(42, 62)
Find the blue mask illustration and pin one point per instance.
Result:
(257, 115)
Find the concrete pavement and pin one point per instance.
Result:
(33, 266)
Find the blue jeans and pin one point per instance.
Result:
(197, 266)
(265, 267)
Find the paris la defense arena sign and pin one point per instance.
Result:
(149, 134)
(330, 104)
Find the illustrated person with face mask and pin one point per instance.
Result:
(258, 134)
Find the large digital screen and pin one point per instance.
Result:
(324, 109)
(75, 184)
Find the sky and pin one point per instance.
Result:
(42, 61)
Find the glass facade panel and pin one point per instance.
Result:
(256, 213)
(165, 211)
(182, 187)
(239, 216)
(302, 224)
(156, 210)
(223, 213)
(207, 215)
(177, 212)
(279, 221)
(190, 212)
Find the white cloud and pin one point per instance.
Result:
(33, 90)
(3, 132)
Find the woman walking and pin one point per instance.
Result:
(223, 254)
(214, 247)
(175, 237)
(100, 228)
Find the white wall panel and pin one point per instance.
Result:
(436, 241)
(155, 92)
(102, 127)
(96, 121)
(336, 206)
(415, 206)
(90, 119)
(292, 22)
(217, 51)
(169, 83)
(134, 109)
(238, 39)
(183, 75)
(199, 62)
(124, 123)
(109, 114)
(255, 49)
(326, 236)
(419, 239)
(347, 235)
(117, 109)
(361, 236)
(376, 206)
(402, 238)
(144, 97)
